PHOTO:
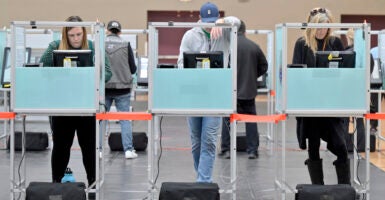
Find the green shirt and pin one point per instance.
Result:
(206, 33)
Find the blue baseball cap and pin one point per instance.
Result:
(209, 12)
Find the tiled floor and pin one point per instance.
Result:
(127, 179)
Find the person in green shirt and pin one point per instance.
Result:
(64, 127)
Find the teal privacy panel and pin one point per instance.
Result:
(360, 48)
(192, 90)
(326, 89)
(278, 69)
(3, 44)
(102, 67)
(55, 88)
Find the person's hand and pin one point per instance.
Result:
(216, 32)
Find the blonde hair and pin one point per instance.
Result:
(317, 15)
(350, 36)
(64, 43)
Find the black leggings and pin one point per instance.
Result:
(63, 129)
(373, 109)
(330, 129)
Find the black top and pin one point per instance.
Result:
(306, 126)
(251, 64)
(304, 55)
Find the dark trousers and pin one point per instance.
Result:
(252, 135)
(63, 129)
(330, 129)
(373, 109)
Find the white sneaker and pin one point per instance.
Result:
(131, 154)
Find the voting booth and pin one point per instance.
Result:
(72, 91)
(187, 92)
(320, 92)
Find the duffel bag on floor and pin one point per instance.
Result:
(335, 192)
(62, 191)
(196, 191)
(139, 140)
(34, 141)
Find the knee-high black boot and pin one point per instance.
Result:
(315, 171)
(343, 171)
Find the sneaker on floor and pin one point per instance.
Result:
(226, 154)
(373, 130)
(253, 155)
(131, 154)
(222, 153)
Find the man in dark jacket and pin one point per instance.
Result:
(251, 64)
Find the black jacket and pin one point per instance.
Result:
(304, 55)
(251, 64)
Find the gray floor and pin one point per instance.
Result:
(127, 179)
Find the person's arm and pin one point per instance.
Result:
(131, 60)
(46, 58)
(297, 53)
(262, 64)
(184, 46)
(217, 32)
(107, 69)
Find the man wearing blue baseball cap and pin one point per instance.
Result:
(209, 13)
(204, 130)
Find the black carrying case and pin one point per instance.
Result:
(325, 192)
(139, 140)
(360, 131)
(193, 191)
(50, 191)
(34, 141)
(241, 143)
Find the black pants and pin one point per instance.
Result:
(373, 109)
(252, 135)
(63, 129)
(330, 129)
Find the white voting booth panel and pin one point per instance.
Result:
(74, 91)
(320, 92)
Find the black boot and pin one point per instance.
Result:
(91, 195)
(343, 171)
(315, 171)
(56, 179)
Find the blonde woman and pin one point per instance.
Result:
(330, 129)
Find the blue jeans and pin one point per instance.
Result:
(122, 103)
(204, 131)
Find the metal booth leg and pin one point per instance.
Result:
(233, 159)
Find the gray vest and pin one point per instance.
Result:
(117, 52)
